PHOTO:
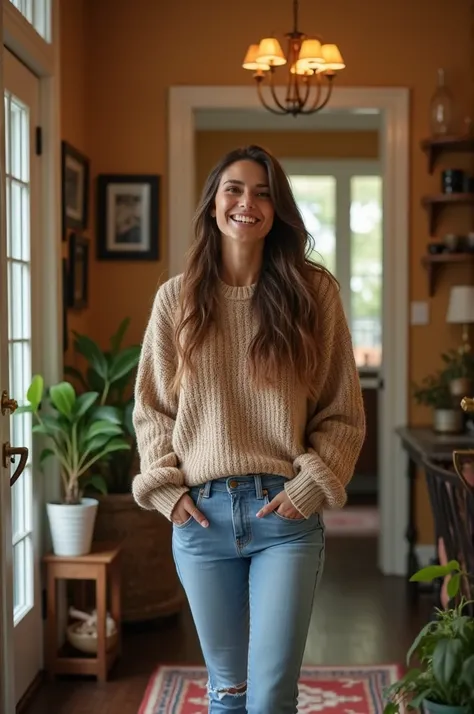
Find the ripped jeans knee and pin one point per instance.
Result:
(227, 699)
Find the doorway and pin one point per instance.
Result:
(393, 107)
(19, 322)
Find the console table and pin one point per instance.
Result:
(422, 443)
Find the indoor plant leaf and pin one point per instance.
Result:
(467, 674)
(63, 397)
(108, 413)
(92, 352)
(128, 418)
(426, 575)
(45, 454)
(84, 403)
(453, 585)
(124, 362)
(102, 427)
(95, 381)
(98, 482)
(422, 633)
(35, 392)
(76, 374)
(446, 657)
(116, 340)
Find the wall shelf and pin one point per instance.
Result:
(434, 147)
(434, 204)
(433, 263)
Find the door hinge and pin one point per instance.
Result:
(39, 141)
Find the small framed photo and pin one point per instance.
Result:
(128, 217)
(78, 279)
(75, 169)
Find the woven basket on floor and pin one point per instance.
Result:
(150, 586)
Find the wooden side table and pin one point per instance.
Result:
(102, 565)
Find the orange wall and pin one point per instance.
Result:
(134, 53)
(73, 114)
(211, 145)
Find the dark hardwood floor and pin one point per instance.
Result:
(360, 617)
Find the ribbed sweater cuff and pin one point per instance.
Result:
(305, 494)
(165, 498)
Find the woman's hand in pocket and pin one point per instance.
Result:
(186, 508)
(282, 504)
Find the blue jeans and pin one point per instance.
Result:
(250, 583)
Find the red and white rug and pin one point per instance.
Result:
(352, 521)
(322, 690)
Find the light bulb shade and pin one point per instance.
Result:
(332, 58)
(310, 55)
(461, 305)
(270, 53)
(250, 60)
(301, 69)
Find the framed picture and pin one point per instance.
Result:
(75, 188)
(65, 305)
(127, 219)
(78, 281)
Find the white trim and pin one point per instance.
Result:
(43, 60)
(393, 103)
(334, 167)
(23, 41)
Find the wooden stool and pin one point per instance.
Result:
(101, 564)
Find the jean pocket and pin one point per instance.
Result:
(197, 501)
(269, 497)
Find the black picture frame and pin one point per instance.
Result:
(78, 279)
(65, 304)
(128, 217)
(75, 177)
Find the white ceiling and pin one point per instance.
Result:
(260, 119)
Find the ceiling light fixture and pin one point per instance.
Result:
(309, 63)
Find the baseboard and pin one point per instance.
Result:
(425, 554)
(30, 693)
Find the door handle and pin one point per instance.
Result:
(9, 453)
(8, 404)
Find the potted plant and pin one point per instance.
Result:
(459, 369)
(146, 535)
(79, 433)
(443, 683)
(434, 391)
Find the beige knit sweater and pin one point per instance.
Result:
(223, 426)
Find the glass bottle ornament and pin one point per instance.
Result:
(441, 108)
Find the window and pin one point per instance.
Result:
(38, 14)
(17, 165)
(341, 205)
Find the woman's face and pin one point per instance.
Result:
(243, 208)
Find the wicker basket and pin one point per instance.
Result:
(150, 585)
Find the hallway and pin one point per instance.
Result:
(360, 617)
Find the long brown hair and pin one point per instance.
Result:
(285, 299)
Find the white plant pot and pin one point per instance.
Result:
(72, 527)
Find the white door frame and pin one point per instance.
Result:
(43, 60)
(393, 103)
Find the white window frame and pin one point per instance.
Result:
(43, 59)
(39, 8)
(343, 171)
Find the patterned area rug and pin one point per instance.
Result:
(352, 521)
(327, 690)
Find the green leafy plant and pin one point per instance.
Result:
(459, 364)
(80, 433)
(434, 391)
(111, 374)
(444, 649)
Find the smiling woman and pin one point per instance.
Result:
(249, 421)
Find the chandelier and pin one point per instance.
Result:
(311, 68)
